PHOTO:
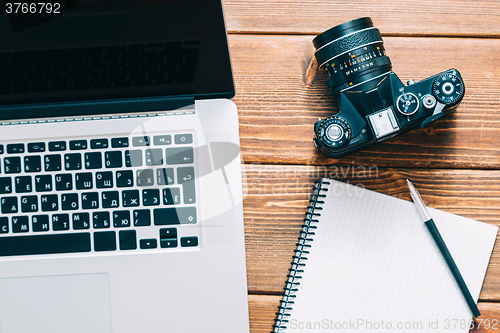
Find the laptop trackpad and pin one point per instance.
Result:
(63, 303)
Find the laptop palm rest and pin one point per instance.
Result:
(62, 303)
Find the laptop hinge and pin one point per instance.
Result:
(92, 109)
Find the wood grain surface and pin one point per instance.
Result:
(406, 17)
(278, 109)
(276, 197)
(454, 162)
(263, 308)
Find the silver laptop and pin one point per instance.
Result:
(120, 172)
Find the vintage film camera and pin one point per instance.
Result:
(374, 104)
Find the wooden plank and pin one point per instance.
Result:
(278, 108)
(276, 198)
(262, 312)
(264, 307)
(415, 17)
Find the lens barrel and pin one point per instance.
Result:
(351, 53)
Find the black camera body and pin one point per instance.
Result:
(374, 104)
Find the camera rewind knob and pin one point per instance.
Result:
(448, 88)
(334, 132)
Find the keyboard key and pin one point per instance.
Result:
(182, 155)
(145, 177)
(23, 184)
(78, 145)
(29, 204)
(133, 158)
(179, 215)
(83, 181)
(20, 224)
(9, 205)
(154, 156)
(104, 179)
(57, 146)
(168, 243)
(93, 160)
(43, 183)
(149, 243)
(12, 164)
(121, 219)
(100, 220)
(4, 225)
(104, 241)
(124, 178)
(45, 244)
(73, 161)
(171, 196)
(185, 174)
(142, 217)
(189, 193)
(119, 142)
(60, 222)
(69, 201)
(110, 199)
(128, 239)
(168, 233)
(64, 182)
(140, 141)
(15, 148)
(49, 202)
(113, 159)
(52, 162)
(32, 164)
(81, 221)
(40, 223)
(1, 149)
(165, 176)
(189, 241)
(161, 140)
(5, 185)
(183, 139)
(151, 197)
(98, 143)
(130, 198)
(36, 147)
(90, 200)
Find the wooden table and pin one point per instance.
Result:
(454, 162)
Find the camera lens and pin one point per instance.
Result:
(351, 53)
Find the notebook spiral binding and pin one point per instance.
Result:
(300, 256)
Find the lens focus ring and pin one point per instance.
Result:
(347, 43)
(351, 54)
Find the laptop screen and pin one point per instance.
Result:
(88, 50)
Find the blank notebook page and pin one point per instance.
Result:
(374, 267)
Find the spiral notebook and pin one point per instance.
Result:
(365, 262)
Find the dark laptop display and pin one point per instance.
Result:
(96, 51)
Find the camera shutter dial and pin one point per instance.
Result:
(448, 88)
(407, 104)
(335, 132)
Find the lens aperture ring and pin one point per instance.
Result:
(356, 67)
(347, 43)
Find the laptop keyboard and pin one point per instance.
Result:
(157, 63)
(98, 195)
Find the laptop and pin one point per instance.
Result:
(120, 171)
